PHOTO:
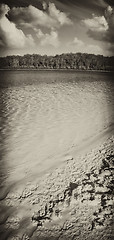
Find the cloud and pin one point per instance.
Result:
(18, 22)
(78, 42)
(97, 24)
(48, 39)
(10, 35)
(60, 17)
(101, 27)
(3, 10)
(44, 5)
(78, 45)
(31, 16)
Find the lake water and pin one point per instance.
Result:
(43, 114)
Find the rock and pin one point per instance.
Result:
(50, 206)
(102, 151)
(75, 194)
(86, 178)
(109, 203)
(92, 197)
(67, 225)
(96, 213)
(35, 201)
(41, 214)
(39, 224)
(67, 201)
(73, 186)
(88, 175)
(61, 196)
(25, 237)
(73, 212)
(96, 172)
(67, 193)
(106, 173)
(85, 196)
(105, 163)
(14, 238)
(107, 212)
(93, 177)
(13, 222)
(110, 156)
(100, 190)
(99, 210)
(91, 226)
(57, 211)
(68, 158)
(36, 216)
(110, 186)
(103, 201)
(108, 197)
(98, 199)
(99, 225)
(88, 188)
(100, 217)
(79, 189)
(26, 193)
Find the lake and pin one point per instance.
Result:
(43, 114)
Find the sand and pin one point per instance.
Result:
(72, 201)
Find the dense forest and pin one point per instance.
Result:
(78, 61)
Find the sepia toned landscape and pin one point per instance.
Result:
(56, 119)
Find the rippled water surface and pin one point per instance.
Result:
(45, 113)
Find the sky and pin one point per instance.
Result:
(56, 26)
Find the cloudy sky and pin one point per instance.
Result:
(56, 26)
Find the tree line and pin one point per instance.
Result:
(78, 61)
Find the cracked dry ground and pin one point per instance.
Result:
(74, 202)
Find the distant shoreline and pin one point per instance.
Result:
(71, 61)
(60, 69)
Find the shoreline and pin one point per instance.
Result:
(73, 201)
(60, 69)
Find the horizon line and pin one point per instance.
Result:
(55, 54)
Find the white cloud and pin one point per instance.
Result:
(48, 39)
(109, 9)
(11, 36)
(78, 45)
(44, 4)
(102, 27)
(60, 17)
(31, 16)
(93, 49)
(3, 10)
(39, 33)
(16, 24)
(96, 23)
(78, 42)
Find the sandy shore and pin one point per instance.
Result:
(72, 202)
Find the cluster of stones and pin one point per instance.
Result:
(52, 207)
(104, 189)
(96, 185)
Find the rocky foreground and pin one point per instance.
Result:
(73, 202)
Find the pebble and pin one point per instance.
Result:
(99, 190)
(88, 188)
(50, 206)
(61, 196)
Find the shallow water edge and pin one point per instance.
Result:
(71, 202)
